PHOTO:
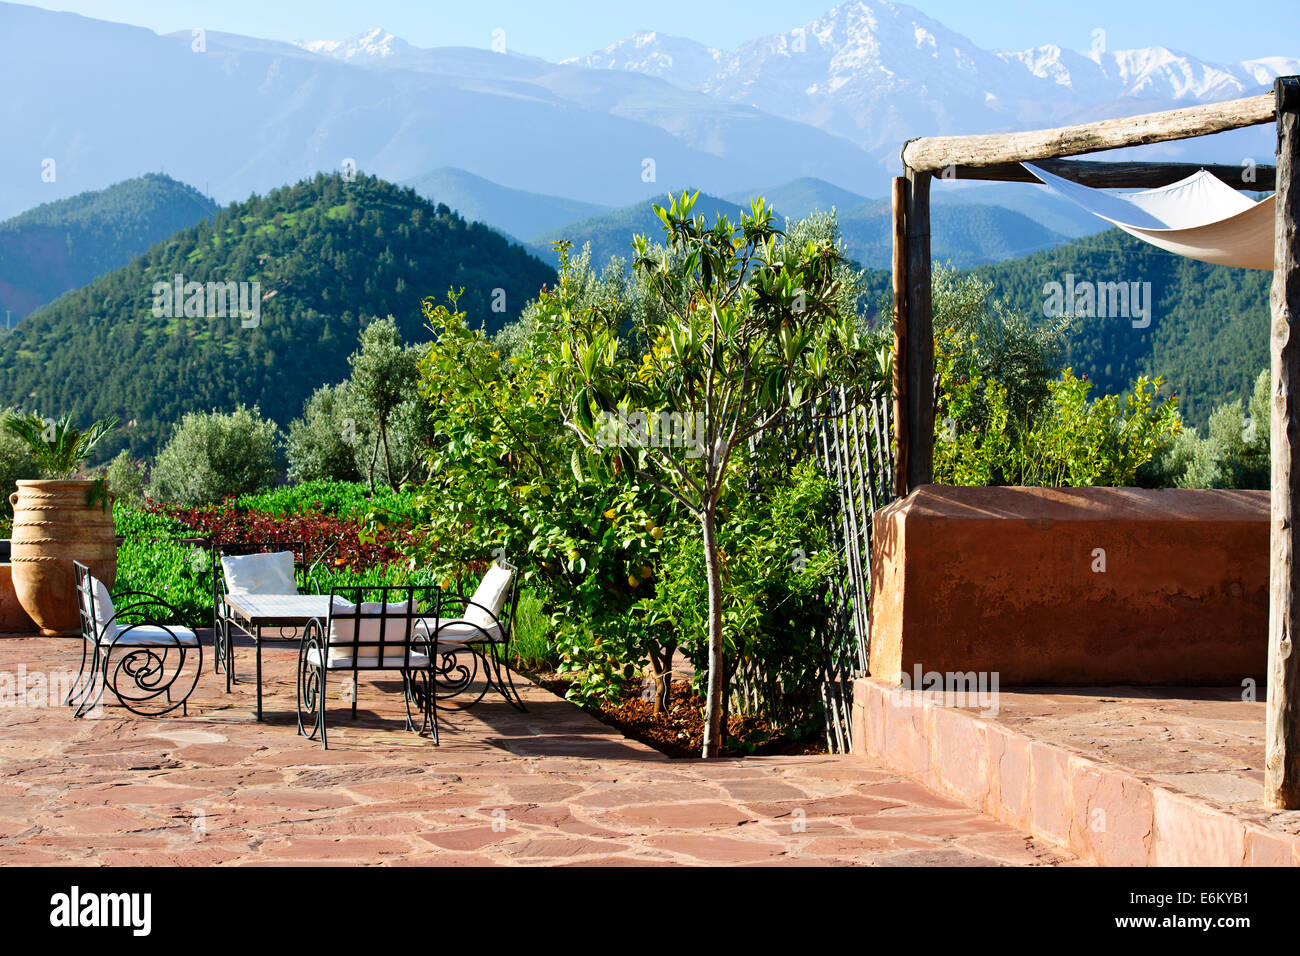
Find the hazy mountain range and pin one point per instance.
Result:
(833, 99)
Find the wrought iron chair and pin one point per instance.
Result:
(477, 630)
(131, 652)
(386, 635)
(225, 624)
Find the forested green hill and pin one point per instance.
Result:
(327, 253)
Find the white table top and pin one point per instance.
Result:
(280, 607)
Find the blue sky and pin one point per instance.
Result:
(571, 27)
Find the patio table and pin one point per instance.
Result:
(256, 611)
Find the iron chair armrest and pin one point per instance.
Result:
(152, 600)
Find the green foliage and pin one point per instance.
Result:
(17, 460)
(60, 448)
(384, 374)
(505, 480)
(179, 573)
(532, 647)
(322, 444)
(343, 499)
(778, 562)
(213, 455)
(749, 326)
(125, 476)
(132, 523)
(328, 253)
(371, 425)
(1234, 453)
(1004, 418)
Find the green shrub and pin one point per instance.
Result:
(344, 499)
(778, 563)
(1234, 453)
(17, 460)
(211, 456)
(131, 523)
(323, 443)
(1004, 416)
(383, 389)
(532, 646)
(125, 477)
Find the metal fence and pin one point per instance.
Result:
(851, 443)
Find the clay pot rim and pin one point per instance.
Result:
(54, 481)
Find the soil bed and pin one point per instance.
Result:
(679, 732)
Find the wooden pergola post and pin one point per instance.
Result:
(913, 334)
(1282, 732)
(899, 204)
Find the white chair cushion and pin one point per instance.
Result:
(152, 635)
(337, 663)
(101, 603)
(456, 630)
(490, 596)
(357, 630)
(270, 573)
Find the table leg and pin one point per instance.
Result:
(259, 673)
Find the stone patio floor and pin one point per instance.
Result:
(552, 786)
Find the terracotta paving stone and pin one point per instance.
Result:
(551, 786)
(718, 849)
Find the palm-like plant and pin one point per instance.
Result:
(60, 448)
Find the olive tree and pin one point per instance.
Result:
(212, 455)
(383, 385)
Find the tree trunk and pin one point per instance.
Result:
(388, 458)
(374, 457)
(713, 707)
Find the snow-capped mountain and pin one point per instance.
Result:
(681, 61)
(1150, 73)
(833, 99)
(879, 72)
(376, 43)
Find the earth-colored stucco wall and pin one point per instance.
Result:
(1008, 580)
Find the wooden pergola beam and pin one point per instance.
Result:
(1120, 175)
(1282, 725)
(934, 154)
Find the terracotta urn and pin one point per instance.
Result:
(55, 523)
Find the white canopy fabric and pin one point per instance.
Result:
(1199, 217)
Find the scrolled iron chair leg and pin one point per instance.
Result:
(85, 677)
(72, 690)
(87, 704)
(505, 686)
(431, 703)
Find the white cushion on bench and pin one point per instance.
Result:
(456, 630)
(151, 635)
(345, 663)
(270, 573)
(357, 630)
